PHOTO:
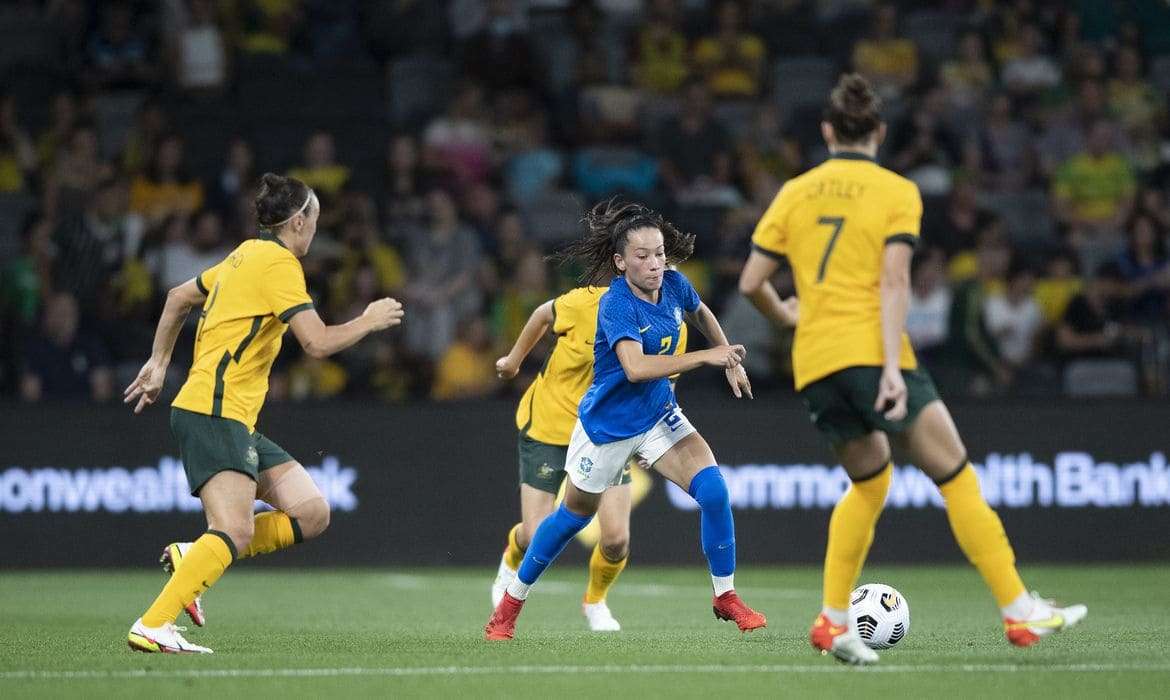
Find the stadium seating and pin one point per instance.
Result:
(1103, 377)
(802, 80)
(418, 88)
(933, 31)
(14, 209)
(1025, 215)
(554, 217)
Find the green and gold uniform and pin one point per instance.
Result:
(832, 224)
(251, 296)
(548, 410)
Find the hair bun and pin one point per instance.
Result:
(278, 198)
(853, 109)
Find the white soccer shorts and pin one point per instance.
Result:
(594, 468)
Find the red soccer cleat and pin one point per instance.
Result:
(502, 624)
(841, 642)
(729, 607)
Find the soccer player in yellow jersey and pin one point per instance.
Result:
(545, 418)
(249, 300)
(848, 229)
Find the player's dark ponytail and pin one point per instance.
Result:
(279, 199)
(607, 227)
(853, 109)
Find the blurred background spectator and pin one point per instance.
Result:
(454, 150)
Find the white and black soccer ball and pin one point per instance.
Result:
(880, 615)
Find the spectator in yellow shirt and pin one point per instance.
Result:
(661, 49)
(467, 369)
(324, 174)
(18, 158)
(732, 60)
(166, 188)
(1095, 189)
(889, 62)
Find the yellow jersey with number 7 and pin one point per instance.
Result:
(832, 224)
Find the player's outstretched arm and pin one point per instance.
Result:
(321, 341)
(895, 300)
(537, 325)
(146, 386)
(704, 319)
(755, 284)
(640, 367)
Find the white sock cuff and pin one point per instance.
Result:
(518, 589)
(722, 584)
(1019, 609)
(836, 616)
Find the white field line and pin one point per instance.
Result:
(407, 671)
(640, 590)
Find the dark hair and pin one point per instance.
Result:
(153, 171)
(1020, 267)
(1109, 271)
(607, 228)
(853, 109)
(924, 255)
(279, 199)
(1160, 252)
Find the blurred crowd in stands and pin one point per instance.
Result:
(454, 144)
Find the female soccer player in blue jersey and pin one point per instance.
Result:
(629, 410)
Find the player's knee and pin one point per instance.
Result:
(615, 548)
(525, 534)
(312, 517)
(239, 532)
(709, 489)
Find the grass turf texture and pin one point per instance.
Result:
(419, 633)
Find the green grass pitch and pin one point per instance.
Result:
(417, 633)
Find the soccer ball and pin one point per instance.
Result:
(880, 615)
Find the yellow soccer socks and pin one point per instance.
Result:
(202, 566)
(602, 574)
(273, 530)
(980, 534)
(514, 554)
(850, 534)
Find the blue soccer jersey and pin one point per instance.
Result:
(615, 408)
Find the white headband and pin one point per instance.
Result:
(298, 211)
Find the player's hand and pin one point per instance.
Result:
(146, 386)
(506, 367)
(738, 379)
(384, 313)
(725, 356)
(891, 399)
(791, 309)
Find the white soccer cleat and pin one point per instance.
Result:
(165, 639)
(172, 556)
(1046, 618)
(600, 618)
(504, 577)
(840, 641)
(848, 648)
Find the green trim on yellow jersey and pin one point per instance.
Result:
(853, 155)
(908, 238)
(287, 314)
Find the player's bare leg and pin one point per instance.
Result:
(609, 557)
(227, 504)
(851, 529)
(691, 465)
(535, 506)
(553, 534)
(933, 443)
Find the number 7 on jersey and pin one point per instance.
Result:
(837, 222)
